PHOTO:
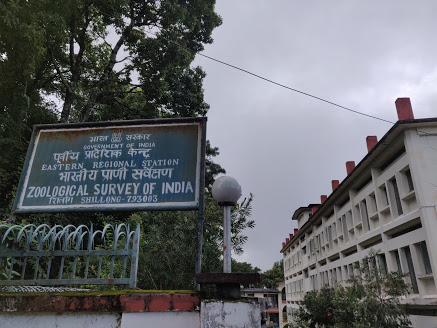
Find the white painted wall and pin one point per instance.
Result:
(49, 320)
(219, 314)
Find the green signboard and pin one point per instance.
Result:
(131, 165)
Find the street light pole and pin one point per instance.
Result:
(226, 192)
(227, 239)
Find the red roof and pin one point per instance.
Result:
(272, 311)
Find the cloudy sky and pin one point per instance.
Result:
(285, 147)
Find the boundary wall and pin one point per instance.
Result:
(123, 309)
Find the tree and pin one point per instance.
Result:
(244, 267)
(317, 309)
(371, 299)
(212, 169)
(85, 60)
(92, 53)
(22, 65)
(91, 60)
(271, 277)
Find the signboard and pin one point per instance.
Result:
(131, 165)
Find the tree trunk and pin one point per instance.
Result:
(66, 108)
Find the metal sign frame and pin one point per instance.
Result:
(196, 204)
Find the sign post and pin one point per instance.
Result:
(122, 166)
(139, 165)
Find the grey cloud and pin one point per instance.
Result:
(284, 147)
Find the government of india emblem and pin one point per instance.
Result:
(116, 135)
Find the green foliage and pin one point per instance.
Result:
(318, 309)
(371, 299)
(212, 169)
(92, 60)
(24, 69)
(271, 277)
(168, 244)
(244, 267)
(89, 54)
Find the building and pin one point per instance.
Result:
(268, 299)
(282, 304)
(387, 202)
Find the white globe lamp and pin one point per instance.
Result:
(226, 192)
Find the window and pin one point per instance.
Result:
(351, 270)
(330, 235)
(346, 272)
(357, 268)
(425, 257)
(372, 263)
(398, 261)
(314, 282)
(373, 198)
(334, 275)
(411, 270)
(357, 215)
(409, 180)
(382, 263)
(384, 195)
(305, 273)
(416, 226)
(304, 250)
(364, 214)
(396, 195)
(366, 265)
(345, 232)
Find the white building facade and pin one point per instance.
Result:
(387, 202)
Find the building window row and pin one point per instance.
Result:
(418, 268)
(348, 224)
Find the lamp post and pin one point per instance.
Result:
(226, 192)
